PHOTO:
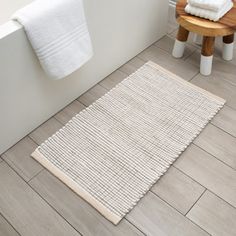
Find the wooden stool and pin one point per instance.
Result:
(225, 27)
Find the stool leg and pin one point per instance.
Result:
(228, 47)
(207, 55)
(182, 37)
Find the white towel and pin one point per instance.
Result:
(58, 33)
(208, 14)
(214, 5)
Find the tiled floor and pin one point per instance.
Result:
(197, 196)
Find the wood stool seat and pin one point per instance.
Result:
(225, 27)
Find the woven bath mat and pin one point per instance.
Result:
(112, 152)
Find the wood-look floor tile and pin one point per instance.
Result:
(113, 79)
(92, 95)
(172, 27)
(209, 172)
(132, 65)
(45, 131)
(185, 70)
(219, 144)
(167, 43)
(18, 157)
(219, 84)
(6, 229)
(69, 112)
(26, 210)
(1, 159)
(155, 217)
(226, 120)
(77, 211)
(214, 215)
(178, 190)
(174, 33)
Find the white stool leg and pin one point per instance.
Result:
(228, 47)
(206, 65)
(207, 55)
(228, 51)
(181, 38)
(178, 50)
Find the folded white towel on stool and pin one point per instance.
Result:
(58, 33)
(208, 14)
(214, 5)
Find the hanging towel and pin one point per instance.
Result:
(208, 14)
(58, 33)
(214, 5)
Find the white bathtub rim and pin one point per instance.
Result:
(8, 28)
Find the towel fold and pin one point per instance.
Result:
(214, 5)
(58, 33)
(208, 14)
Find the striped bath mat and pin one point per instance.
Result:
(112, 152)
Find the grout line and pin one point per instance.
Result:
(189, 176)
(60, 121)
(79, 197)
(108, 89)
(38, 194)
(13, 145)
(221, 198)
(36, 174)
(1, 214)
(214, 156)
(223, 130)
(190, 81)
(205, 187)
(184, 214)
(207, 190)
(166, 201)
(181, 213)
(135, 226)
(233, 108)
(186, 58)
(193, 78)
(28, 183)
(168, 53)
(38, 144)
(125, 72)
(195, 202)
(32, 140)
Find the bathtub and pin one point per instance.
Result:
(120, 29)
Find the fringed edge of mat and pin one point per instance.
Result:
(185, 82)
(76, 188)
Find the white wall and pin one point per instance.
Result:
(8, 7)
(119, 30)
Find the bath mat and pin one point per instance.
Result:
(112, 152)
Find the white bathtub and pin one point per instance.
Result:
(120, 29)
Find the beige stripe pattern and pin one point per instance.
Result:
(112, 152)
